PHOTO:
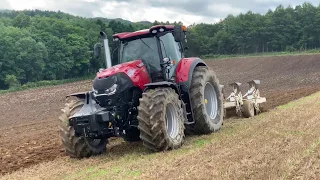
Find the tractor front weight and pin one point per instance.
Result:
(94, 121)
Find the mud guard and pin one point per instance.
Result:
(162, 84)
(185, 70)
(184, 74)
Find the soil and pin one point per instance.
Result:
(29, 119)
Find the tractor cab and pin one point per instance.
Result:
(159, 48)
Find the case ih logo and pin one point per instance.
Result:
(131, 72)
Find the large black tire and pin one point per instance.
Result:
(248, 109)
(205, 123)
(153, 108)
(77, 147)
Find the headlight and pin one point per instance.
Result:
(112, 90)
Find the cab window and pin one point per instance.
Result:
(145, 49)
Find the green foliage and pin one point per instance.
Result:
(12, 81)
(21, 20)
(44, 46)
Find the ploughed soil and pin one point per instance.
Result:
(29, 119)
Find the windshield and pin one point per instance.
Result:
(144, 48)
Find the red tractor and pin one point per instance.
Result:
(153, 94)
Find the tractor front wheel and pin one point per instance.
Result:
(207, 103)
(78, 147)
(161, 120)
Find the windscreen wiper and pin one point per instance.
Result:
(146, 44)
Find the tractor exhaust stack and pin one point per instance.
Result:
(106, 49)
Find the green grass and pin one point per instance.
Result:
(268, 54)
(202, 142)
(83, 173)
(289, 105)
(298, 102)
(33, 85)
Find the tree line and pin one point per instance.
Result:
(284, 29)
(44, 45)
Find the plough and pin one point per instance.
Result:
(247, 105)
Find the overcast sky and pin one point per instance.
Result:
(186, 11)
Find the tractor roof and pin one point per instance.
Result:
(144, 32)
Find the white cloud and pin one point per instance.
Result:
(139, 12)
(4, 4)
(224, 8)
(30, 4)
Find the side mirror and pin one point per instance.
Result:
(97, 50)
(167, 62)
(178, 33)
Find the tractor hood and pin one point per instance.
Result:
(135, 70)
(129, 68)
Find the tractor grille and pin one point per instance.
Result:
(102, 84)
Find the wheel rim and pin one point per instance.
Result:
(172, 121)
(210, 100)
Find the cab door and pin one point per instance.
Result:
(170, 49)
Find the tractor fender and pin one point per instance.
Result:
(162, 84)
(185, 70)
(80, 95)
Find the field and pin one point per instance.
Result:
(29, 133)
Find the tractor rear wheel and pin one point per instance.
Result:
(161, 120)
(207, 102)
(77, 147)
(248, 109)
